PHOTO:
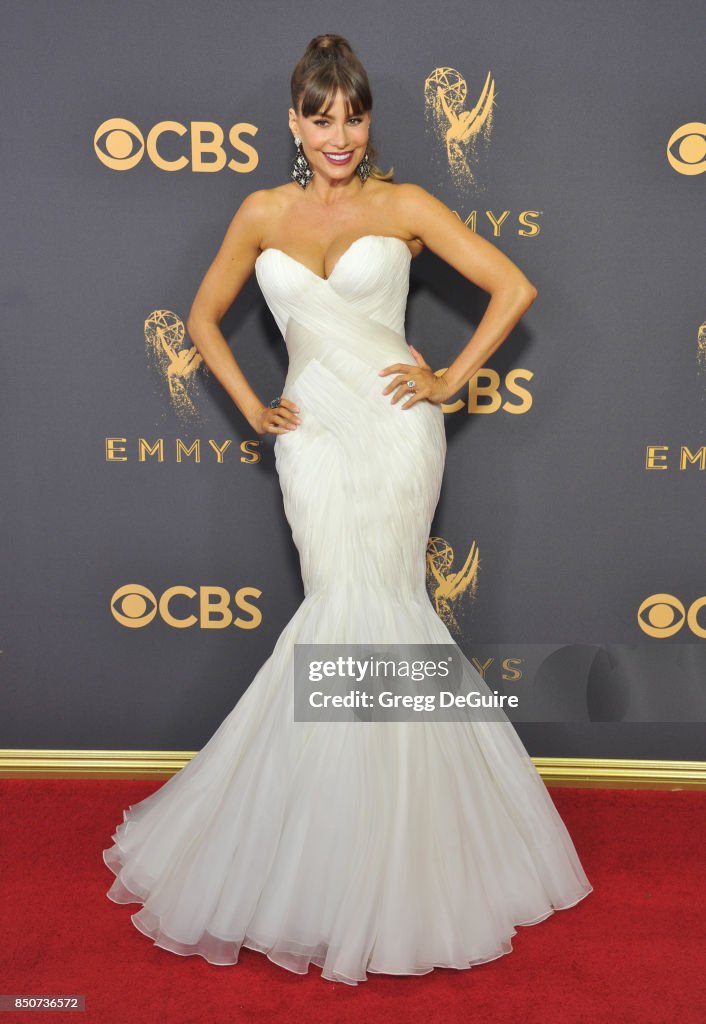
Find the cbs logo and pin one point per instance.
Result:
(485, 392)
(664, 615)
(686, 148)
(120, 145)
(136, 606)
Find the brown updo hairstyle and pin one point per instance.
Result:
(327, 65)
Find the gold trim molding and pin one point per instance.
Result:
(597, 773)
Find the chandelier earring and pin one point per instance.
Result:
(301, 171)
(363, 168)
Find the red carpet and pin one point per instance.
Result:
(633, 951)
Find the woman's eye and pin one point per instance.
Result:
(322, 121)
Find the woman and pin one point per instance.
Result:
(361, 846)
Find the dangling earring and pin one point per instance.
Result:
(301, 168)
(363, 168)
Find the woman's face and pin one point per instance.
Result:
(333, 143)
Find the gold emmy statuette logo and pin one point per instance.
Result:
(445, 95)
(701, 349)
(447, 587)
(175, 363)
(686, 149)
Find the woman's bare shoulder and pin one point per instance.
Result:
(265, 206)
(400, 193)
(408, 191)
(267, 200)
(260, 209)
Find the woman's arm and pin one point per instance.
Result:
(511, 293)
(232, 266)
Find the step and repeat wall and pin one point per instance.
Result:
(147, 565)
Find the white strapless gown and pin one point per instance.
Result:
(387, 847)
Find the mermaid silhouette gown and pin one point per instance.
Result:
(385, 847)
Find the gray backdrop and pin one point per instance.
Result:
(573, 530)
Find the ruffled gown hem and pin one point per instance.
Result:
(166, 942)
